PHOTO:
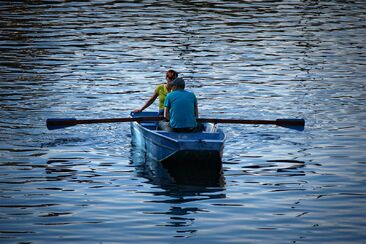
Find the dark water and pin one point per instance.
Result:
(243, 59)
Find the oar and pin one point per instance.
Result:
(52, 124)
(296, 124)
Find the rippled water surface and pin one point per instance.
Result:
(243, 59)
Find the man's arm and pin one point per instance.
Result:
(195, 107)
(167, 107)
(166, 113)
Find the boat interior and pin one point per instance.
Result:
(210, 131)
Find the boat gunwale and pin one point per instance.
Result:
(156, 133)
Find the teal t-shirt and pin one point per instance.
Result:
(181, 104)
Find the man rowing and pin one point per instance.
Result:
(180, 108)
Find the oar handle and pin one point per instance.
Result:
(290, 122)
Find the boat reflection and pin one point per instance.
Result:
(192, 187)
(191, 173)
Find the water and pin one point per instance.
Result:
(250, 60)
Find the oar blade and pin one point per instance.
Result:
(53, 124)
(295, 124)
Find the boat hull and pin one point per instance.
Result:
(165, 146)
(192, 155)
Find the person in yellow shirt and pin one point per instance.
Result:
(160, 92)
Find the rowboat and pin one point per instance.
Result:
(170, 147)
(184, 155)
(191, 155)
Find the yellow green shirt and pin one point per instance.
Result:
(162, 92)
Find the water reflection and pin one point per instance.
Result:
(158, 174)
(250, 59)
(178, 188)
(279, 168)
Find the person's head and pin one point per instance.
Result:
(178, 83)
(171, 75)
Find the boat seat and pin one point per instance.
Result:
(192, 136)
(149, 125)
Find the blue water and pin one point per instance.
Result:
(243, 59)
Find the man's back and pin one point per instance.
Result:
(181, 105)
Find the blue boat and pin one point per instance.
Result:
(198, 154)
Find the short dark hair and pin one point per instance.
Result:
(179, 83)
